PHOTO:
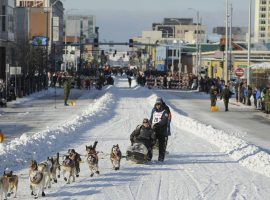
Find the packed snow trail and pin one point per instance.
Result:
(194, 168)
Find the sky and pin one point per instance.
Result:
(119, 20)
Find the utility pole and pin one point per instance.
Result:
(81, 35)
(47, 38)
(54, 62)
(197, 42)
(200, 49)
(172, 67)
(226, 46)
(65, 61)
(249, 44)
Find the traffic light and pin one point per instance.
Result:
(95, 42)
(130, 42)
(115, 52)
(221, 64)
(102, 52)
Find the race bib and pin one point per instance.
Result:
(157, 117)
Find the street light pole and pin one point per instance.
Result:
(249, 44)
(197, 39)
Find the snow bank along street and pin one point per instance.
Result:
(203, 162)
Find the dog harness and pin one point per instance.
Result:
(37, 178)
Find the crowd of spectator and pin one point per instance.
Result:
(259, 97)
(169, 81)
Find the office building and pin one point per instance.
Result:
(262, 21)
(181, 29)
(7, 36)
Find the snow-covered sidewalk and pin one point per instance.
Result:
(41, 111)
(203, 163)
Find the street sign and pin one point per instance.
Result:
(15, 70)
(239, 72)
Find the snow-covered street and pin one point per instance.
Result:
(203, 162)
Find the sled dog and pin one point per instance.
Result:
(77, 159)
(45, 168)
(115, 157)
(12, 181)
(37, 180)
(55, 167)
(4, 187)
(92, 160)
(68, 168)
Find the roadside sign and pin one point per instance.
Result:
(239, 72)
(15, 70)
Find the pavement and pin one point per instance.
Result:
(242, 121)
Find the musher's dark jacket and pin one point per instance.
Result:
(145, 135)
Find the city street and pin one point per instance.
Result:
(135, 100)
(35, 113)
(198, 165)
(241, 121)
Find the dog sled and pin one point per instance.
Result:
(137, 153)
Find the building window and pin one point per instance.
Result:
(263, 2)
(263, 15)
(4, 18)
(262, 35)
(262, 28)
(263, 8)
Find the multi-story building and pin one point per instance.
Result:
(149, 37)
(32, 3)
(7, 36)
(262, 21)
(44, 18)
(80, 25)
(238, 33)
(80, 29)
(181, 29)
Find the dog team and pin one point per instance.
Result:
(42, 174)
